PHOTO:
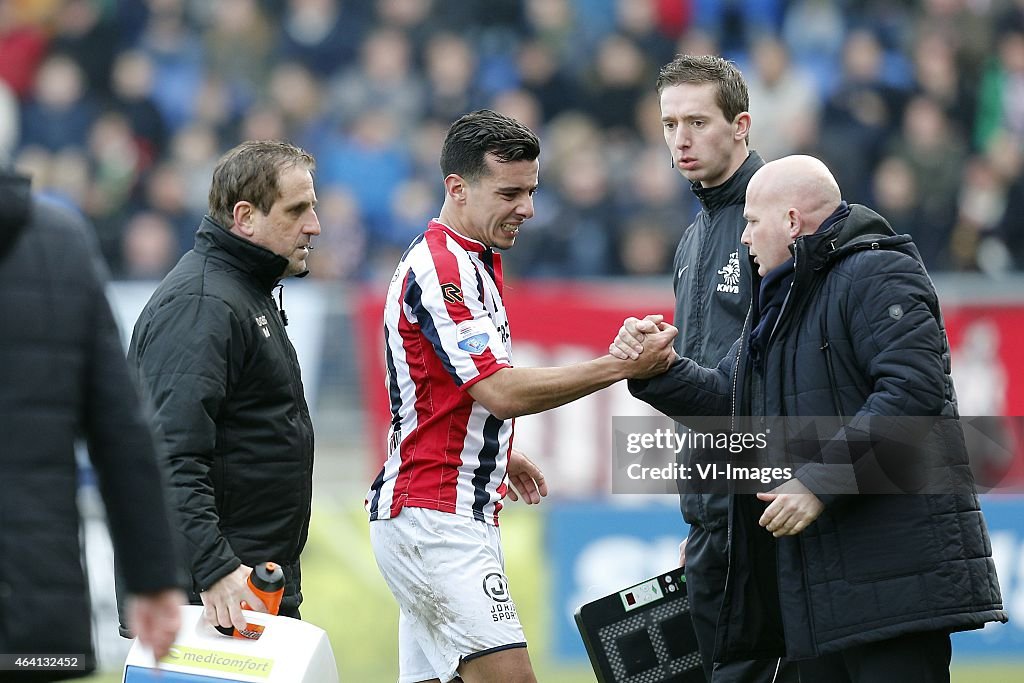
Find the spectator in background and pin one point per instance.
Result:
(132, 84)
(656, 194)
(736, 24)
(813, 31)
(63, 377)
(937, 78)
(1006, 239)
(521, 105)
(895, 193)
(322, 35)
(544, 76)
(1001, 100)
(193, 157)
(981, 203)
(149, 248)
(964, 26)
(89, 39)
(61, 110)
(238, 46)
(645, 248)
(615, 82)
(936, 157)
(23, 44)
(295, 91)
(640, 20)
(263, 121)
(342, 251)
(383, 78)
(417, 20)
(176, 52)
(212, 353)
(785, 99)
(860, 116)
(578, 240)
(165, 191)
(553, 23)
(369, 159)
(450, 65)
(66, 174)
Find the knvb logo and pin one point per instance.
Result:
(261, 320)
(730, 275)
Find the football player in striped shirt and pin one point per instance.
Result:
(454, 395)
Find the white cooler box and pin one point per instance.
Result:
(288, 651)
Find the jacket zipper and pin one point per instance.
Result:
(736, 368)
(830, 369)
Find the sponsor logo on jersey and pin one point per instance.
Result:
(451, 293)
(496, 587)
(472, 337)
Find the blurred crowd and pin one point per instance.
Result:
(122, 108)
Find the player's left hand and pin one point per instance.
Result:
(792, 507)
(525, 479)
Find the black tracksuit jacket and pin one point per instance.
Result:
(233, 428)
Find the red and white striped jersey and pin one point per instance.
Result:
(445, 328)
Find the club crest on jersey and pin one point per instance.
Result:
(451, 293)
(730, 273)
(261, 321)
(472, 337)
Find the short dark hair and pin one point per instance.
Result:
(250, 172)
(483, 132)
(731, 91)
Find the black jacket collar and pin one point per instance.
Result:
(861, 229)
(15, 208)
(263, 265)
(733, 190)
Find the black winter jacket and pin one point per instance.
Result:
(62, 377)
(860, 334)
(234, 431)
(711, 280)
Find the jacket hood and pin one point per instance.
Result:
(862, 229)
(15, 208)
(733, 190)
(264, 265)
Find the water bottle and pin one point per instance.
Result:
(266, 580)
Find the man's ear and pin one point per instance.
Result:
(455, 187)
(795, 223)
(243, 215)
(741, 126)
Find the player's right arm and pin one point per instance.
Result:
(512, 392)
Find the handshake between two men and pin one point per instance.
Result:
(791, 506)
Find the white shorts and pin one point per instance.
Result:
(447, 573)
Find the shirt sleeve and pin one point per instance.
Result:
(444, 296)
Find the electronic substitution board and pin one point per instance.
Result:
(643, 634)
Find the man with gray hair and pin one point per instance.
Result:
(211, 350)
